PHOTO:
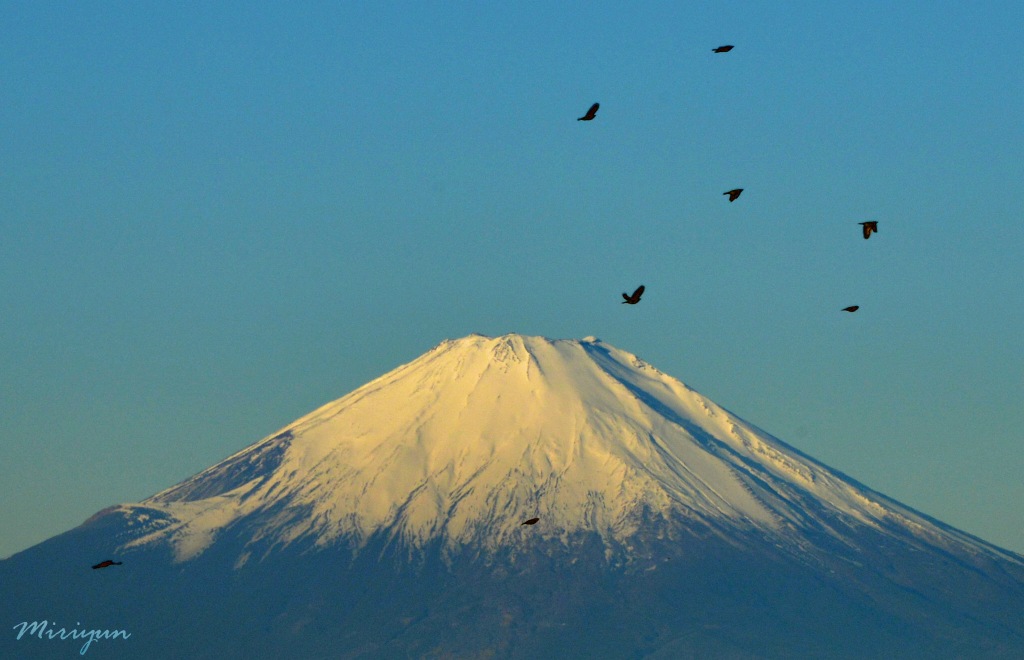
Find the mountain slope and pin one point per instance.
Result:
(479, 434)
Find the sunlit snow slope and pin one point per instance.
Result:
(479, 434)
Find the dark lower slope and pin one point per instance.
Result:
(693, 597)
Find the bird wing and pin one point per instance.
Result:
(593, 110)
(639, 292)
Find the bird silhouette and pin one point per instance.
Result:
(733, 194)
(851, 308)
(531, 521)
(590, 113)
(722, 49)
(635, 298)
(869, 227)
(104, 564)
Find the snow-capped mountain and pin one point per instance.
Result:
(481, 433)
(388, 522)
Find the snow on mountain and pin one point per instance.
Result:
(480, 433)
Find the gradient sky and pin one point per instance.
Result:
(215, 217)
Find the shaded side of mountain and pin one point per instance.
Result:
(700, 597)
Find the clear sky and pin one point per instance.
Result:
(215, 217)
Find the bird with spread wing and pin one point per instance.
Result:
(635, 298)
(870, 226)
(590, 113)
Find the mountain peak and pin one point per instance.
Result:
(465, 442)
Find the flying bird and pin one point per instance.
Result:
(104, 564)
(722, 49)
(869, 227)
(851, 308)
(635, 298)
(531, 521)
(590, 113)
(733, 194)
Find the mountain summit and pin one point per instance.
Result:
(390, 521)
(480, 433)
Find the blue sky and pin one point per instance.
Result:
(217, 217)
